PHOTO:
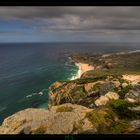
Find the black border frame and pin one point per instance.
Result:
(70, 3)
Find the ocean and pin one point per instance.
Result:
(28, 69)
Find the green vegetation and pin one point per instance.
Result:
(64, 109)
(121, 108)
(40, 130)
(117, 128)
(100, 118)
(86, 80)
(115, 72)
(121, 80)
(78, 93)
(124, 91)
(103, 119)
(97, 86)
(96, 117)
(100, 73)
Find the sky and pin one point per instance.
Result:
(69, 24)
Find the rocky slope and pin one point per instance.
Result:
(71, 119)
(100, 102)
(93, 92)
(61, 119)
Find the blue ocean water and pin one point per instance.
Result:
(28, 69)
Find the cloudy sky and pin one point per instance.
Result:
(70, 24)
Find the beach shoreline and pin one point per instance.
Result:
(85, 67)
(82, 67)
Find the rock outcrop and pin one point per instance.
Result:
(104, 99)
(135, 127)
(134, 94)
(63, 119)
(66, 119)
(89, 92)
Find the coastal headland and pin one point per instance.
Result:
(104, 99)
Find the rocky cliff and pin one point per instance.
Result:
(100, 102)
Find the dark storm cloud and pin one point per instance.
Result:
(76, 18)
(100, 23)
(39, 12)
(33, 12)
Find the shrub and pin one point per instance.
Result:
(64, 109)
(101, 118)
(124, 91)
(117, 128)
(40, 130)
(121, 107)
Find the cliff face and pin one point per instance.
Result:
(94, 92)
(100, 102)
(61, 119)
(66, 119)
(107, 105)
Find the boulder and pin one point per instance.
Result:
(112, 95)
(133, 94)
(106, 87)
(90, 86)
(101, 101)
(109, 65)
(135, 109)
(130, 100)
(57, 84)
(135, 123)
(135, 127)
(104, 99)
(116, 83)
(124, 85)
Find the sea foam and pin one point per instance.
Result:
(30, 95)
(78, 74)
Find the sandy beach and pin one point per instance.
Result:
(132, 78)
(85, 67)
